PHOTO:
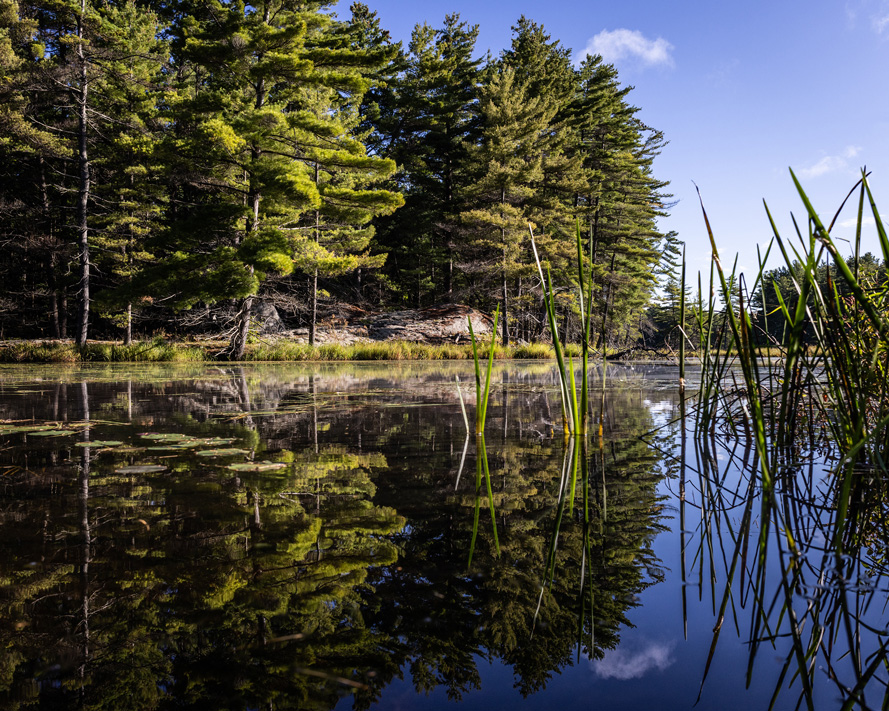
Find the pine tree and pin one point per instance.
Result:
(70, 50)
(343, 173)
(129, 193)
(427, 122)
(514, 140)
(619, 200)
(32, 224)
(259, 120)
(543, 66)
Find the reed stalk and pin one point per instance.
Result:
(575, 410)
(481, 396)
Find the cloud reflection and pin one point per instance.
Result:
(634, 661)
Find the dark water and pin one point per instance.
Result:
(316, 537)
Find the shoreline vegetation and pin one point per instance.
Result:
(160, 350)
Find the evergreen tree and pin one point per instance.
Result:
(261, 115)
(619, 199)
(32, 227)
(543, 65)
(129, 192)
(427, 122)
(67, 57)
(514, 140)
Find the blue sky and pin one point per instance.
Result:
(742, 91)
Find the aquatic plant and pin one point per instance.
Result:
(836, 393)
(574, 415)
(481, 396)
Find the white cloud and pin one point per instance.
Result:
(615, 45)
(831, 164)
(853, 221)
(624, 664)
(880, 23)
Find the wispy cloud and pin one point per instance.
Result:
(872, 12)
(830, 164)
(723, 73)
(853, 221)
(625, 664)
(615, 45)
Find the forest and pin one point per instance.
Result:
(174, 166)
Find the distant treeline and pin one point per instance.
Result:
(774, 292)
(170, 165)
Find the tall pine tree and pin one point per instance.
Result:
(259, 119)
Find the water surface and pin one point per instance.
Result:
(327, 536)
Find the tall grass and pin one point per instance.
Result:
(837, 392)
(575, 416)
(481, 396)
(161, 351)
(154, 351)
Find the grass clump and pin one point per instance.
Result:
(39, 352)
(159, 350)
(155, 351)
(799, 397)
(281, 351)
(533, 351)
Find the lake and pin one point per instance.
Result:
(319, 536)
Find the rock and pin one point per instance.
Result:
(436, 324)
(267, 320)
(445, 323)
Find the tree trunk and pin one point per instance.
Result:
(505, 309)
(84, 185)
(128, 332)
(53, 255)
(239, 340)
(63, 312)
(314, 320)
(54, 297)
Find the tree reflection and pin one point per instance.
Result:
(445, 618)
(335, 559)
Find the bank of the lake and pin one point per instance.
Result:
(161, 350)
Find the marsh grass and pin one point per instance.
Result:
(794, 396)
(575, 411)
(162, 351)
(806, 412)
(481, 395)
(154, 351)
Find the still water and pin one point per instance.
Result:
(327, 536)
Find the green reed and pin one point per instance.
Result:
(816, 608)
(835, 388)
(481, 396)
(575, 415)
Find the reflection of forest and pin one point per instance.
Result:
(205, 587)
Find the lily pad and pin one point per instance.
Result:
(51, 433)
(164, 436)
(214, 441)
(230, 452)
(14, 429)
(141, 469)
(100, 443)
(174, 446)
(256, 466)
